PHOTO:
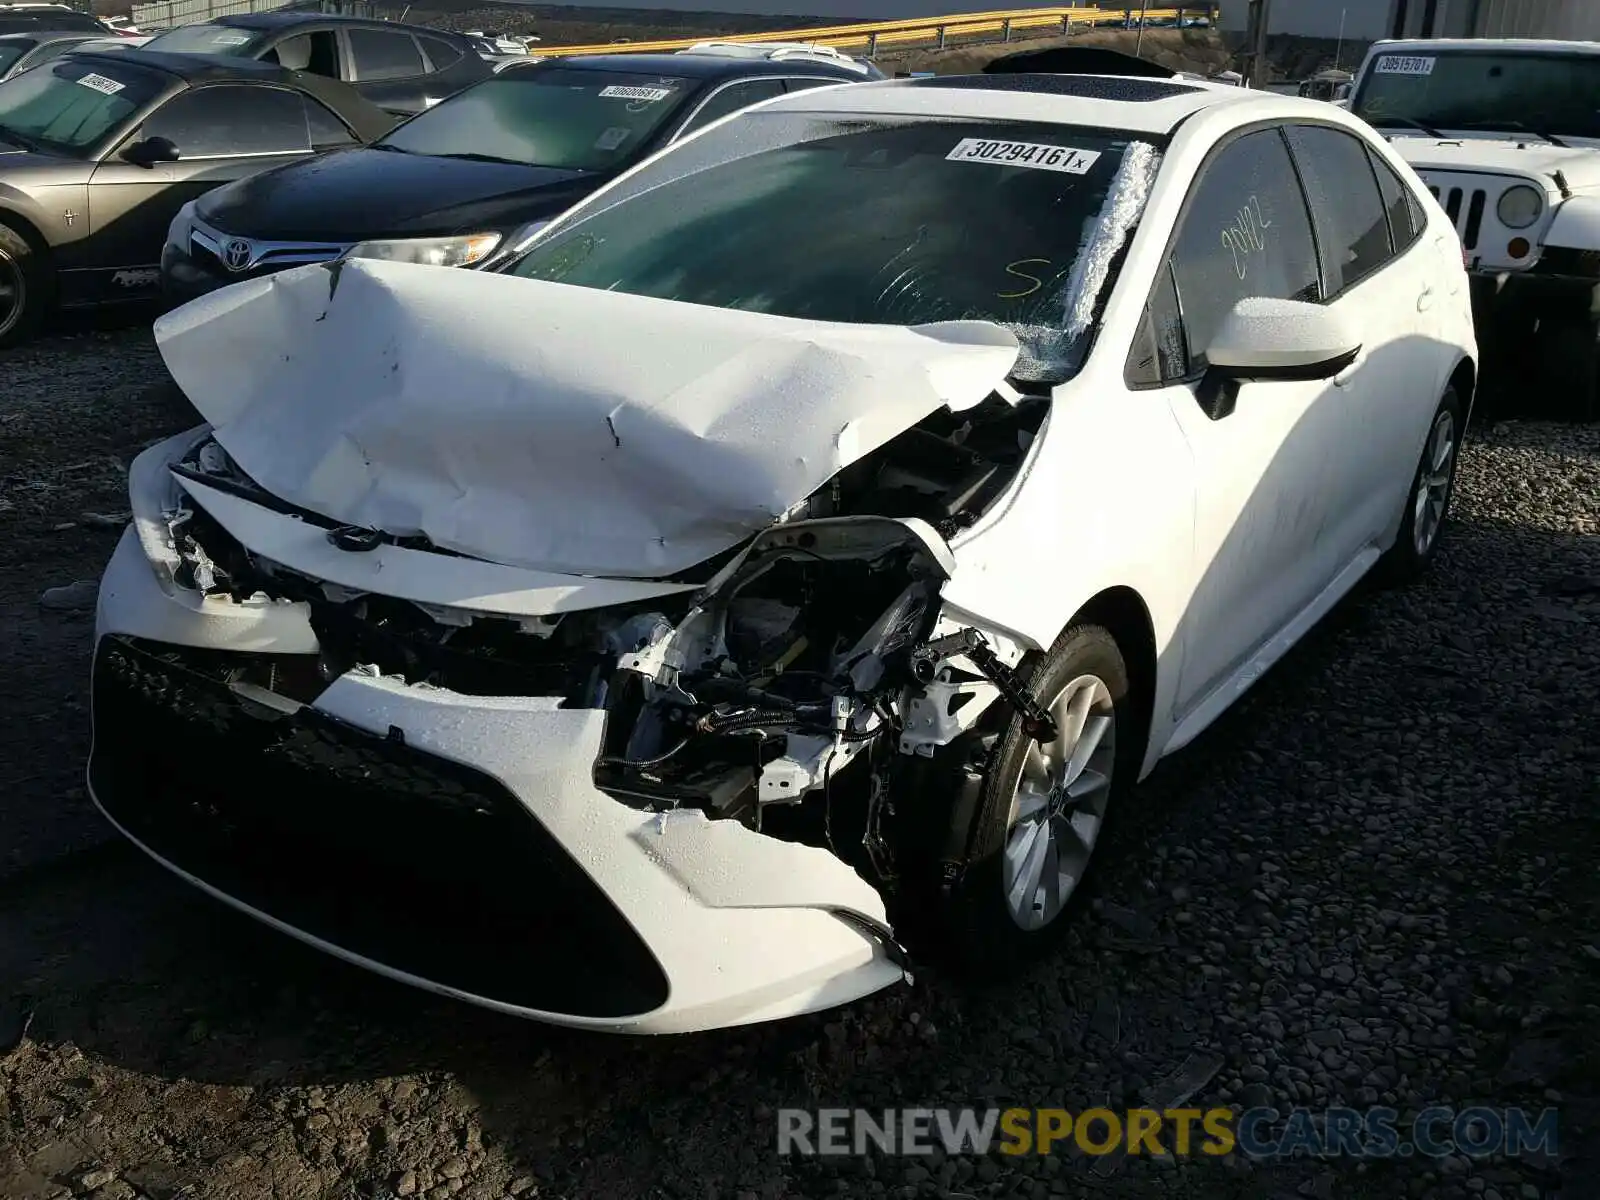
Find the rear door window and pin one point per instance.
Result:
(380, 54)
(1352, 229)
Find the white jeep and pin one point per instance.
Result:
(1506, 133)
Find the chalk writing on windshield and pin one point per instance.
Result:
(1035, 281)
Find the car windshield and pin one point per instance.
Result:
(207, 39)
(1464, 90)
(71, 105)
(562, 117)
(893, 221)
(12, 49)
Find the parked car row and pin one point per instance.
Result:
(222, 151)
(781, 564)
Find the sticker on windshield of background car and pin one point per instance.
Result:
(1024, 154)
(611, 138)
(619, 91)
(231, 39)
(1403, 64)
(99, 83)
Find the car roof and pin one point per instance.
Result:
(284, 20)
(195, 68)
(702, 66)
(1489, 45)
(1153, 106)
(368, 120)
(51, 35)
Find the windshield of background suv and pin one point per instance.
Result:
(892, 221)
(1466, 90)
(207, 39)
(557, 117)
(71, 105)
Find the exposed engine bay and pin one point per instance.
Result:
(809, 665)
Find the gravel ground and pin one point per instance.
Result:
(1373, 882)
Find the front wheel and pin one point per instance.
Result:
(1428, 499)
(1044, 806)
(22, 287)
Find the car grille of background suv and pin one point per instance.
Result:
(425, 865)
(1464, 207)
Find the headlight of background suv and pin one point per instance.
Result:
(465, 251)
(182, 225)
(1519, 206)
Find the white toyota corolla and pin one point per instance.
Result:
(792, 558)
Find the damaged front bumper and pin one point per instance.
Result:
(554, 858)
(459, 844)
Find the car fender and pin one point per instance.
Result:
(1576, 224)
(59, 219)
(1081, 522)
(18, 211)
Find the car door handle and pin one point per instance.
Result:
(1425, 299)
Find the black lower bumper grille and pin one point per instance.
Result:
(424, 865)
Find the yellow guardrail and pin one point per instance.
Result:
(875, 35)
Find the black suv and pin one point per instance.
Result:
(469, 181)
(402, 68)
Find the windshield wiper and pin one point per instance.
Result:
(386, 146)
(1411, 122)
(1517, 125)
(485, 158)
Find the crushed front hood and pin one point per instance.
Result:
(546, 426)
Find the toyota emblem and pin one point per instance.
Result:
(236, 255)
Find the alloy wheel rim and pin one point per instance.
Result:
(13, 292)
(1058, 806)
(1433, 482)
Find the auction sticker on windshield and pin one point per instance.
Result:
(623, 92)
(1024, 154)
(1403, 64)
(99, 83)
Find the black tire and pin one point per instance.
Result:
(1406, 560)
(976, 926)
(24, 282)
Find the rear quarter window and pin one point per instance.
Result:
(381, 54)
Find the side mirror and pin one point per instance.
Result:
(1264, 340)
(149, 151)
